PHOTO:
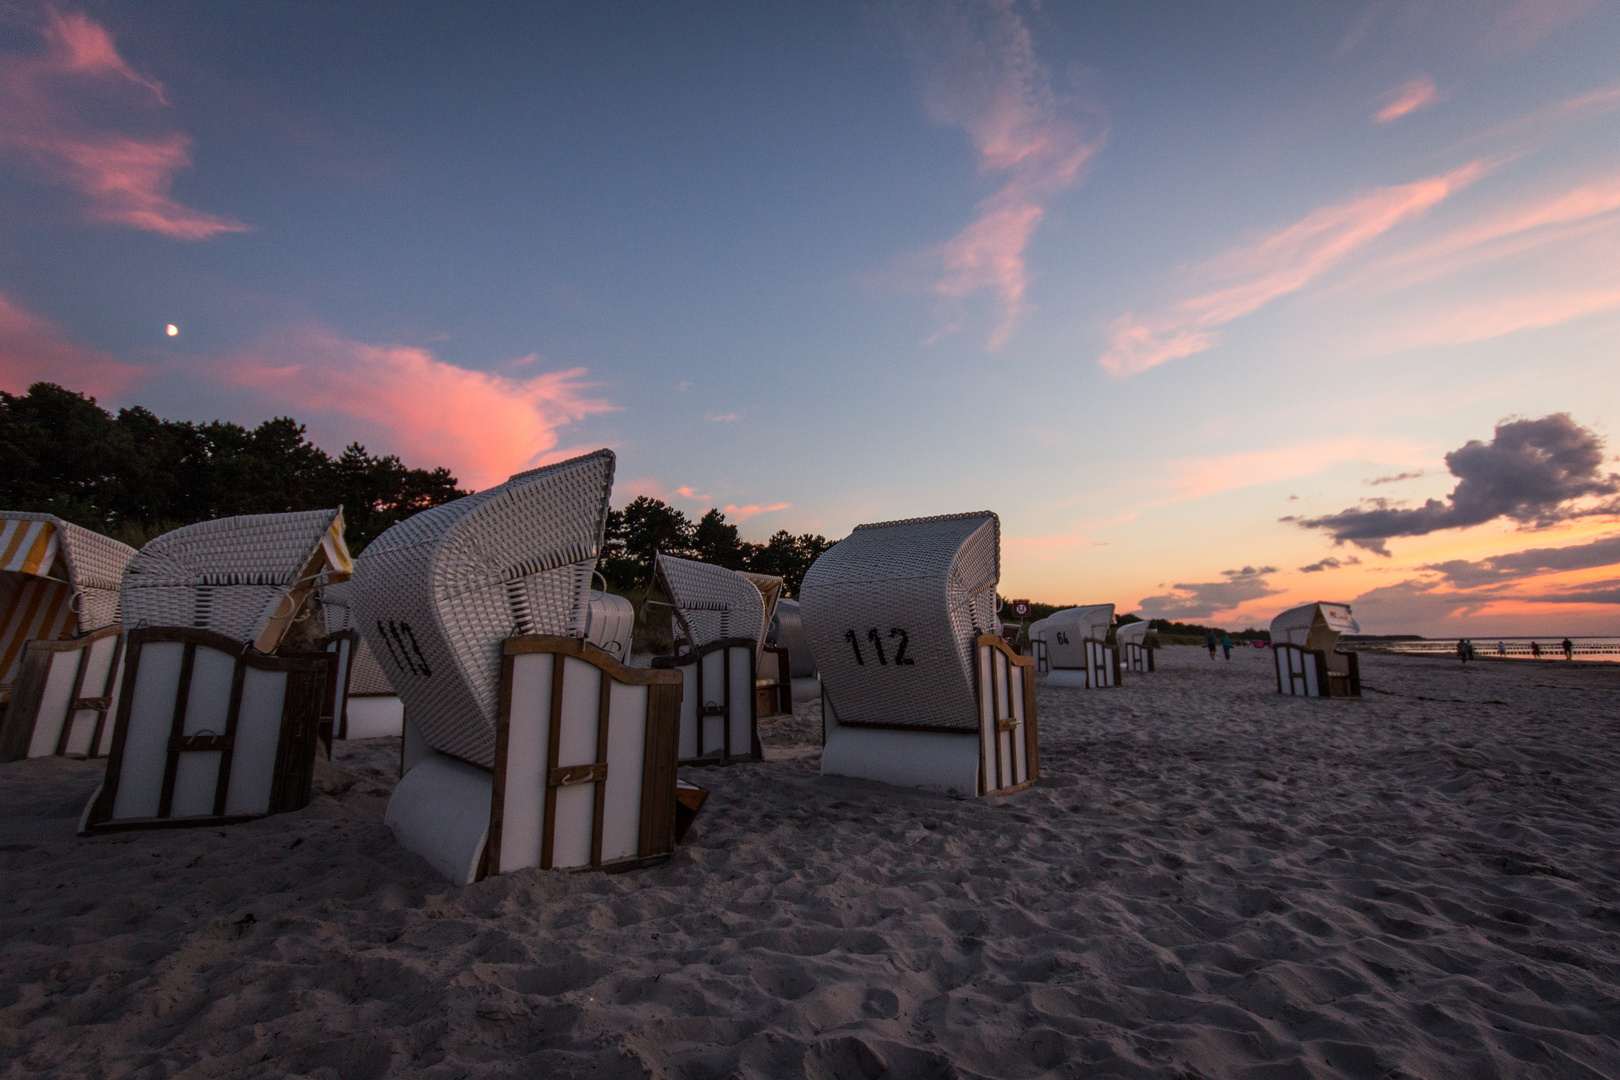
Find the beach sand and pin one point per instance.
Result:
(1210, 881)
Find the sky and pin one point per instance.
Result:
(1221, 308)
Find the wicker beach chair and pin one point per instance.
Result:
(524, 744)
(722, 618)
(1038, 648)
(787, 633)
(1304, 647)
(210, 729)
(610, 621)
(917, 688)
(370, 708)
(1078, 650)
(1135, 649)
(60, 639)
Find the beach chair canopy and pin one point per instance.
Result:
(1131, 633)
(787, 630)
(892, 614)
(1037, 630)
(712, 602)
(1314, 626)
(243, 577)
(1078, 623)
(437, 594)
(56, 580)
(770, 593)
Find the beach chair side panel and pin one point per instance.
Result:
(64, 697)
(776, 669)
(208, 732)
(1008, 736)
(1301, 672)
(585, 760)
(719, 718)
(1102, 664)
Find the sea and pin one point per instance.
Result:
(1512, 648)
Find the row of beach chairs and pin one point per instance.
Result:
(473, 630)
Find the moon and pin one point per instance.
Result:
(171, 330)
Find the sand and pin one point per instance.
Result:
(1211, 881)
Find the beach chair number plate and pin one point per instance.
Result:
(875, 639)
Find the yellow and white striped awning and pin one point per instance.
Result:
(28, 547)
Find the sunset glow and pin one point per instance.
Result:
(1221, 312)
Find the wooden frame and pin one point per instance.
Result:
(1138, 658)
(1303, 672)
(651, 697)
(1009, 736)
(336, 651)
(187, 711)
(734, 710)
(51, 690)
(1037, 653)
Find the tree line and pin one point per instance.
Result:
(133, 476)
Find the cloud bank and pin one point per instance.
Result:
(1201, 599)
(67, 115)
(976, 68)
(1533, 472)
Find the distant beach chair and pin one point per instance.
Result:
(60, 638)
(723, 616)
(610, 620)
(370, 708)
(918, 689)
(210, 727)
(1136, 654)
(525, 744)
(1078, 650)
(1038, 646)
(786, 634)
(1303, 641)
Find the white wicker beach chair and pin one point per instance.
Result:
(60, 639)
(917, 689)
(209, 729)
(1303, 645)
(524, 745)
(370, 709)
(722, 618)
(1134, 651)
(1078, 650)
(787, 632)
(1038, 646)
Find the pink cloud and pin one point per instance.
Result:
(977, 68)
(124, 178)
(723, 418)
(743, 513)
(1246, 278)
(1406, 99)
(484, 426)
(32, 350)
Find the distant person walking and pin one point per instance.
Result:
(1501, 649)
(1569, 649)
(1535, 650)
(1209, 643)
(1226, 645)
(1462, 650)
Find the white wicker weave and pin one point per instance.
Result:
(787, 630)
(891, 615)
(1067, 631)
(437, 594)
(1316, 625)
(1131, 633)
(366, 676)
(712, 602)
(244, 577)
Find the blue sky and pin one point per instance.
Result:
(1142, 279)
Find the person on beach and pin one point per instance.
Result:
(1226, 645)
(1501, 649)
(1209, 642)
(1462, 650)
(1569, 649)
(1535, 650)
